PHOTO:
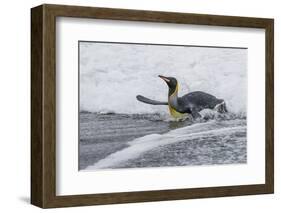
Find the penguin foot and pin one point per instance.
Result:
(221, 107)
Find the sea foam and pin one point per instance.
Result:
(143, 144)
(111, 75)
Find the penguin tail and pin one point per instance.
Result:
(149, 101)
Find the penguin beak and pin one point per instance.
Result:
(167, 80)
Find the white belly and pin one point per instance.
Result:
(177, 114)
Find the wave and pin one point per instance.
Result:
(146, 143)
(131, 70)
(206, 114)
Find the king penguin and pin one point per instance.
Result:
(191, 103)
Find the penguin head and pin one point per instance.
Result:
(171, 82)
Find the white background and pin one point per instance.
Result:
(70, 181)
(15, 105)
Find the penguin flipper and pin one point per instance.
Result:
(195, 114)
(149, 101)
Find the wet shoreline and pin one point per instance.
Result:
(111, 138)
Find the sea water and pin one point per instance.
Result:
(117, 131)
